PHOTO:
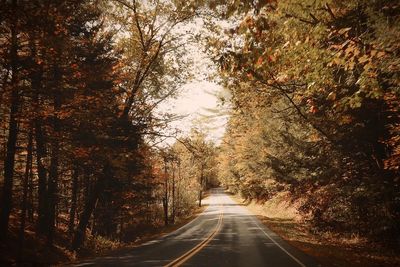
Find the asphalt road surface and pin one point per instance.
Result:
(225, 234)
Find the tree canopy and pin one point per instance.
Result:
(311, 88)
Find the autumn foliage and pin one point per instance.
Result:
(80, 81)
(314, 90)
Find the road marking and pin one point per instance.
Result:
(267, 235)
(185, 257)
(276, 243)
(161, 238)
(183, 226)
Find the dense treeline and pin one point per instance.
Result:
(54, 65)
(188, 168)
(80, 81)
(313, 95)
(314, 91)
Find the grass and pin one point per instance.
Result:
(330, 249)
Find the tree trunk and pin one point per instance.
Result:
(30, 201)
(42, 177)
(74, 194)
(173, 196)
(12, 132)
(165, 198)
(4, 82)
(52, 192)
(178, 189)
(90, 204)
(201, 184)
(200, 196)
(52, 196)
(28, 171)
(36, 81)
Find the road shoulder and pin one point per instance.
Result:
(329, 250)
(155, 234)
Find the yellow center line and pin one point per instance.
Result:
(182, 259)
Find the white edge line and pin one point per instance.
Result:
(267, 235)
(276, 243)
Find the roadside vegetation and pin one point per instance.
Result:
(315, 113)
(311, 88)
(329, 248)
(314, 89)
(80, 167)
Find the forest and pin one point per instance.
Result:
(311, 89)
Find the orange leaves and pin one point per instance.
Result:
(365, 58)
(352, 50)
(118, 66)
(331, 96)
(63, 114)
(313, 109)
(259, 61)
(315, 137)
(344, 31)
(270, 82)
(346, 119)
(271, 57)
(77, 74)
(249, 22)
(282, 78)
(380, 54)
(350, 54)
(81, 152)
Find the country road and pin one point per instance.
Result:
(225, 234)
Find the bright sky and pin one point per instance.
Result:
(198, 102)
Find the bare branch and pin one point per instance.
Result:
(328, 8)
(277, 85)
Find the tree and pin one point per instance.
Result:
(12, 127)
(307, 80)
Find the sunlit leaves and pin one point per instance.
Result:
(335, 65)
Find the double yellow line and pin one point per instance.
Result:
(185, 257)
